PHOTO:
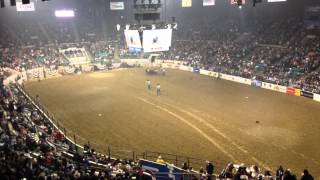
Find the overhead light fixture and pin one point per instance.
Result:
(118, 27)
(175, 26)
(153, 26)
(64, 13)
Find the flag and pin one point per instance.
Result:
(209, 2)
(186, 3)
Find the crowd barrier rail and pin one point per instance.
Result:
(252, 82)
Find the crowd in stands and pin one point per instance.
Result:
(272, 53)
(32, 148)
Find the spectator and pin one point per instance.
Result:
(306, 175)
(160, 160)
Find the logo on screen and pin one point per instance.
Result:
(155, 40)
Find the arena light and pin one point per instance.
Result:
(175, 26)
(153, 26)
(127, 26)
(118, 27)
(64, 13)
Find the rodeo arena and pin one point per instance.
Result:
(160, 89)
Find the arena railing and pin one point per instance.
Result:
(113, 152)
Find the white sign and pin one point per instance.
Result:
(117, 5)
(157, 40)
(25, 7)
(316, 97)
(208, 2)
(64, 13)
(132, 38)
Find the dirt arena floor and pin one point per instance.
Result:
(195, 116)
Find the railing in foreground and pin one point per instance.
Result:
(116, 152)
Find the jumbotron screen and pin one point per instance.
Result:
(157, 40)
(133, 40)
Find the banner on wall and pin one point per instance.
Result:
(267, 85)
(256, 83)
(307, 94)
(196, 70)
(186, 3)
(162, 171)
(25, 7)
(290, 90)
(116, 5)
(316, 97)
(297, 92)
(279, 88)
(209, 2)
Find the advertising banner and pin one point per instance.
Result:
(236, 79)
(256, 83)
(279, 88)
(316, 97)
(267, 86)
(226, 77)
(157, 40)
(162, 171)
(196, 70)
(116, 5)
(184, 68)
(246, 81)
(186, 3)
(297, 92)
(133, 40)
(25, 7)
(307, 94)
(204, 72)
(213, 74)
(290, 90)
(209, 2)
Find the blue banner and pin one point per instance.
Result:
(163, 171)
(135, 50)
(256, 83)
(196, 70)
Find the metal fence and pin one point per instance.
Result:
(118, 152)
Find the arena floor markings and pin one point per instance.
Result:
(195, 116)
